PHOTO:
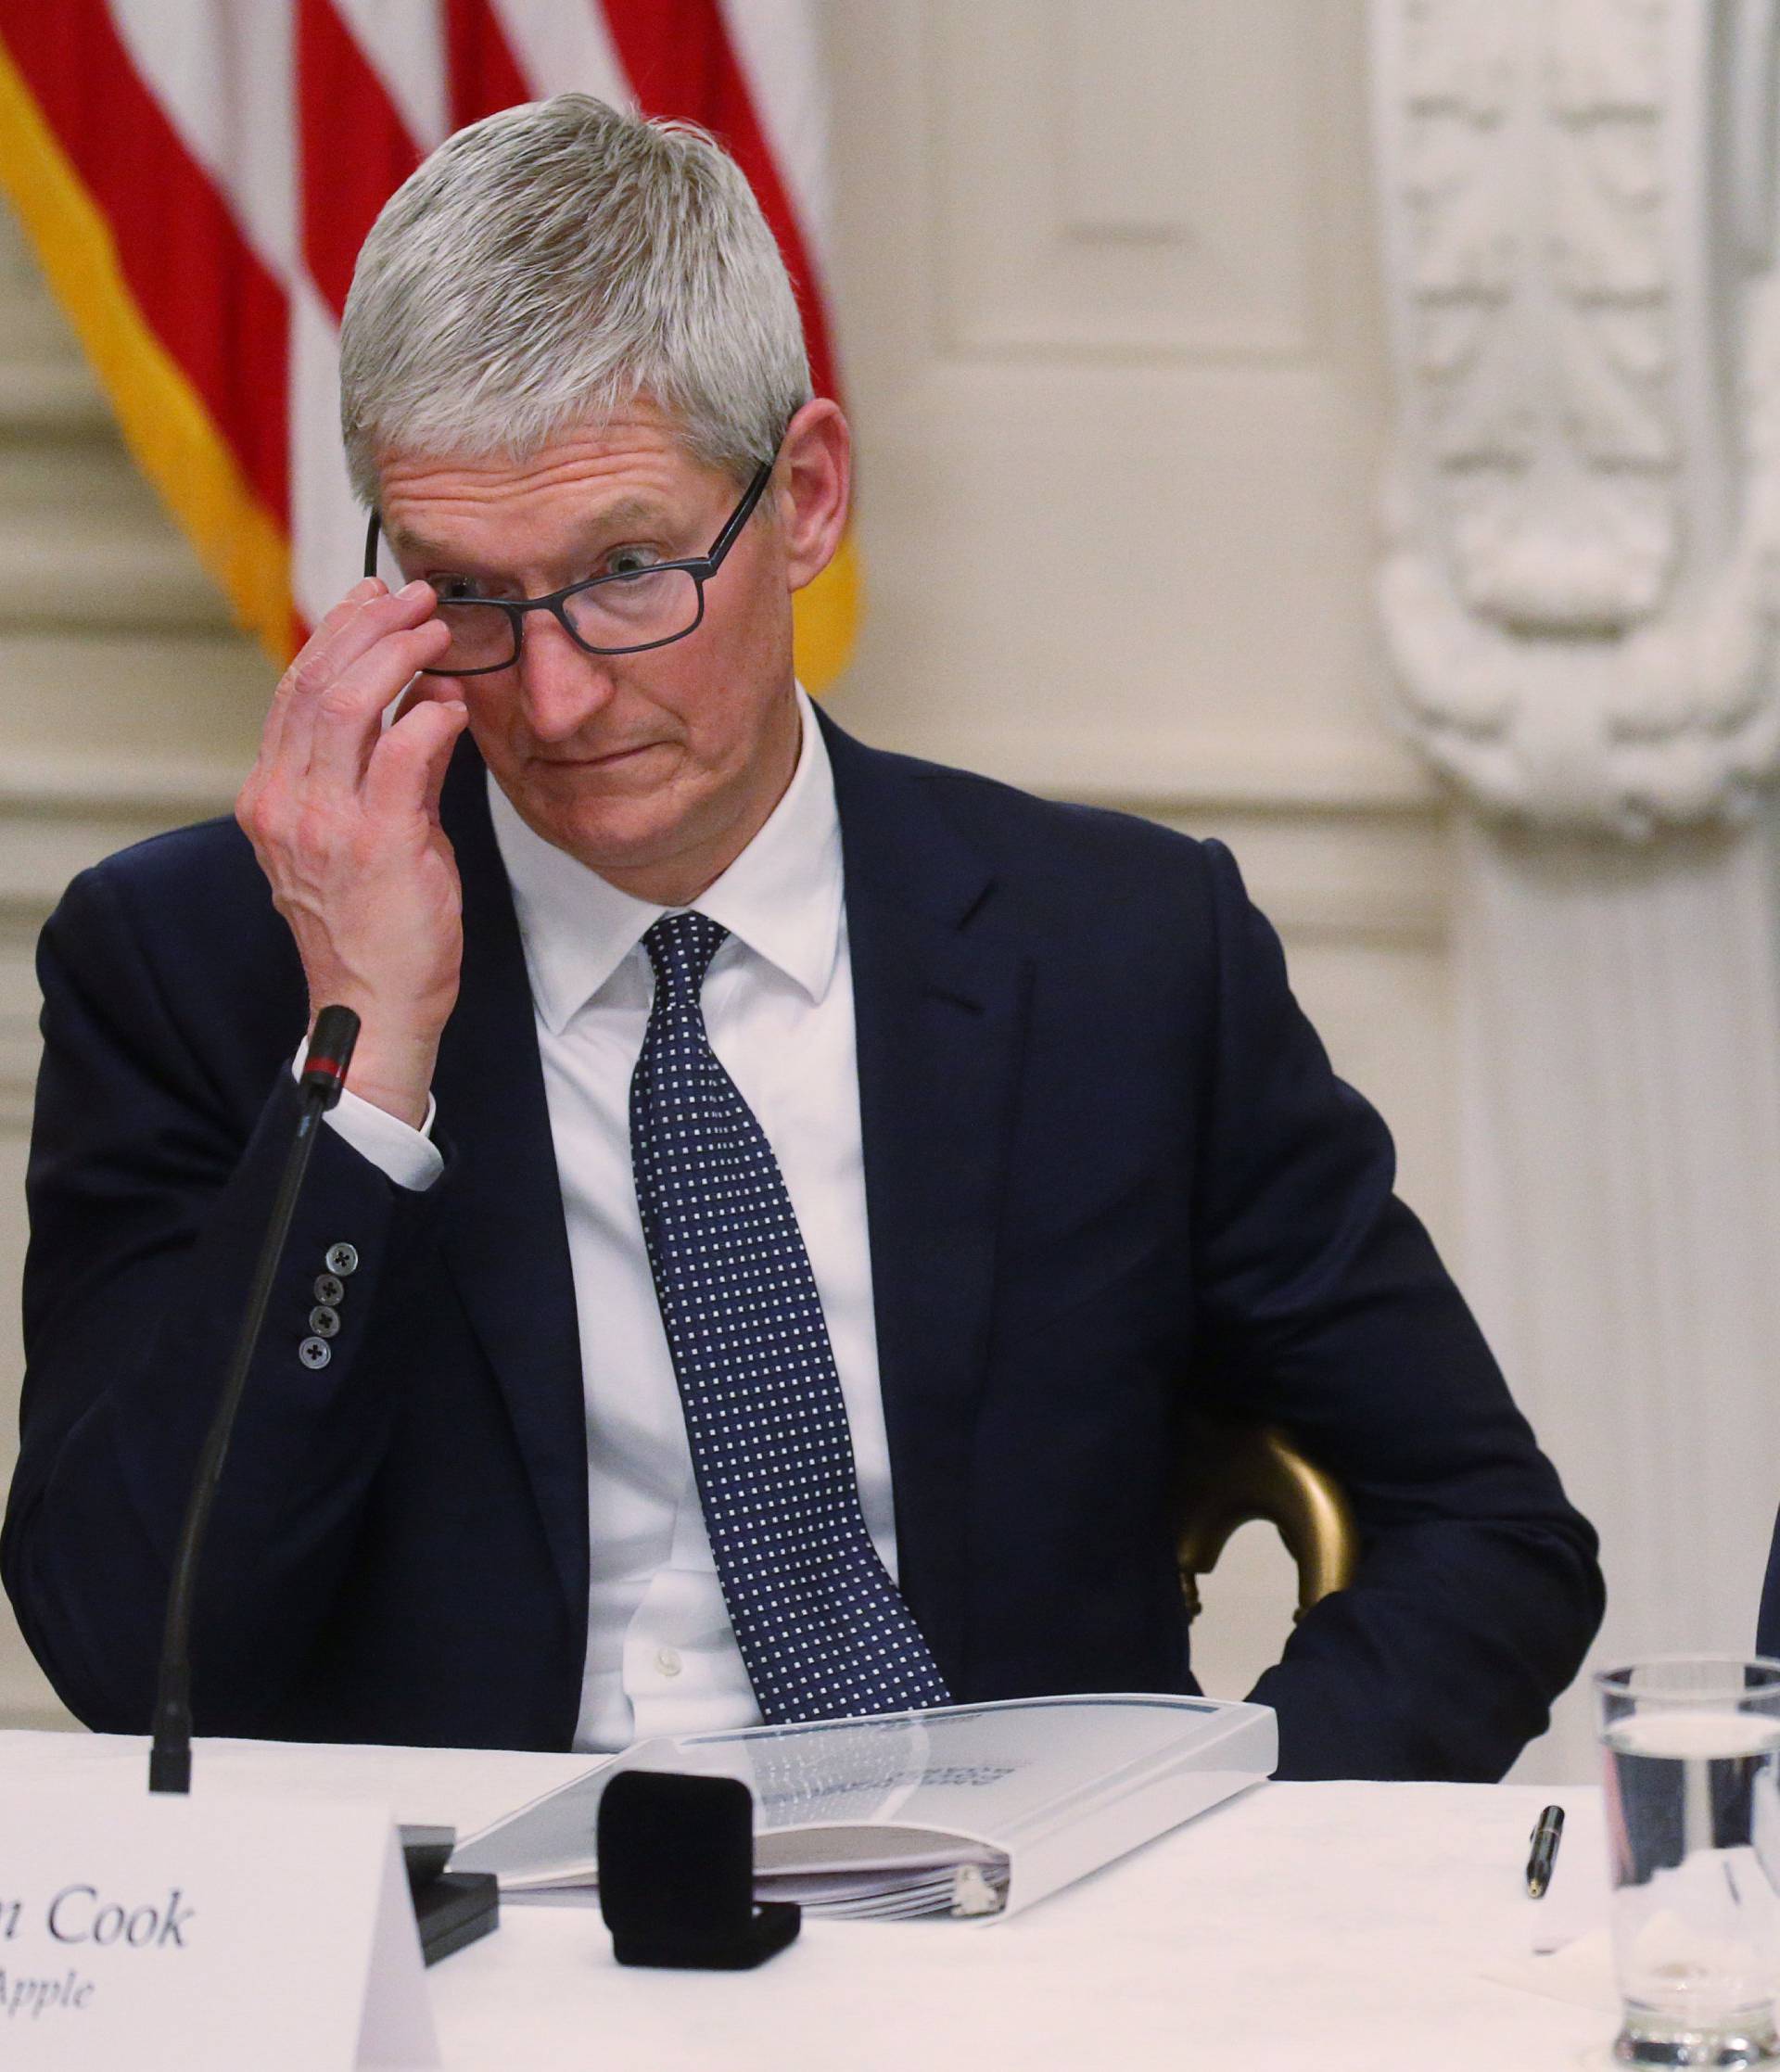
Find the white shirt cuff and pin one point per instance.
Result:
(400, 1153)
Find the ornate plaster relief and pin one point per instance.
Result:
(1583, 513)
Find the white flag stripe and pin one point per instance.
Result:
(777, 47)
(404, 43)
(564, 46)
(327, 526)
(223, 74)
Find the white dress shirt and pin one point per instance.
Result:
(778, 1001)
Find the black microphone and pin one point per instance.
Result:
(323, 1077)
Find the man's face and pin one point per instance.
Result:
(655, 768)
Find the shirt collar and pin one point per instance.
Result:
(781, 896)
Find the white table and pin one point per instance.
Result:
(1307, 1928)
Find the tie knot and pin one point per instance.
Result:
(681, 947)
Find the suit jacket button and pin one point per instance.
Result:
(315, 1352)
(329, 1289)
(325, 1321)
(342, 1260)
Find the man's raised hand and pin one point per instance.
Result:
(343, 816)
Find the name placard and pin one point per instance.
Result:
(144, 1933)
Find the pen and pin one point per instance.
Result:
(1545, 1838)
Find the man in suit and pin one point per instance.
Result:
(787, 1195)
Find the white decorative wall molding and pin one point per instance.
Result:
(1081, 149)
(1163, 768)
(1583, 513)
(72, 786)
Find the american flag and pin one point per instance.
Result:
(197, 177)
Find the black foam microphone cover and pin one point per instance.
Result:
(330, 1053)
(676, 1869)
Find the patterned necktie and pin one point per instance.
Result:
(822, 1630)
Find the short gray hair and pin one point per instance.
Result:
(546, 267)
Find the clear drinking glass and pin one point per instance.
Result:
(1692, 1761)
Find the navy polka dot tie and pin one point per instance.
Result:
(822, 1630)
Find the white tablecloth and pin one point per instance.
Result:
(1307, 1928)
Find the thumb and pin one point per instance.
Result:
(406, 772)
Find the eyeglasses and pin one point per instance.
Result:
(626, 613)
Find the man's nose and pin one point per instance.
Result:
(561, 685)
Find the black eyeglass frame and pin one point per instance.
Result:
(700, 567)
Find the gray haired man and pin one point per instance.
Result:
(787, 1195)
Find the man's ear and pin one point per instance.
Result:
(812, 488)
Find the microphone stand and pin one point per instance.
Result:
(323, 1077)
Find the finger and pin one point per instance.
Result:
(422, 690)
(311, 656)
(407, 769)
(439, 766)
(313, 676)
(347, 718)
(311, 666)
(416, 690)
(370, 611)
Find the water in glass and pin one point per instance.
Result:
(1693, 1813)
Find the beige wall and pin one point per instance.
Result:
(1110, 336)
(1107, 313)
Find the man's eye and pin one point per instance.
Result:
(458, 590)
(629, 561)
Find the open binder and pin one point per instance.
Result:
(972, 1810)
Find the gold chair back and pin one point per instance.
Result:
(1236, 1473)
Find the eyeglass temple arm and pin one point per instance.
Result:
(741, 514)
(371, 532)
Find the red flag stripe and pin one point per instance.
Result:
(480, 71)
(681, 62)
(200, 286)
(354, 145)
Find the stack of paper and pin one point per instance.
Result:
(967, 1810)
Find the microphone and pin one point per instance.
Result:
(319, 1086)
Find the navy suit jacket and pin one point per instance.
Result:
(1109, 1174)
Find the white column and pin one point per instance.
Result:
(1578, 594)
(1620, 1097)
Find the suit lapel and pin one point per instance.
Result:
(502, 1230)
(940, 1004)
